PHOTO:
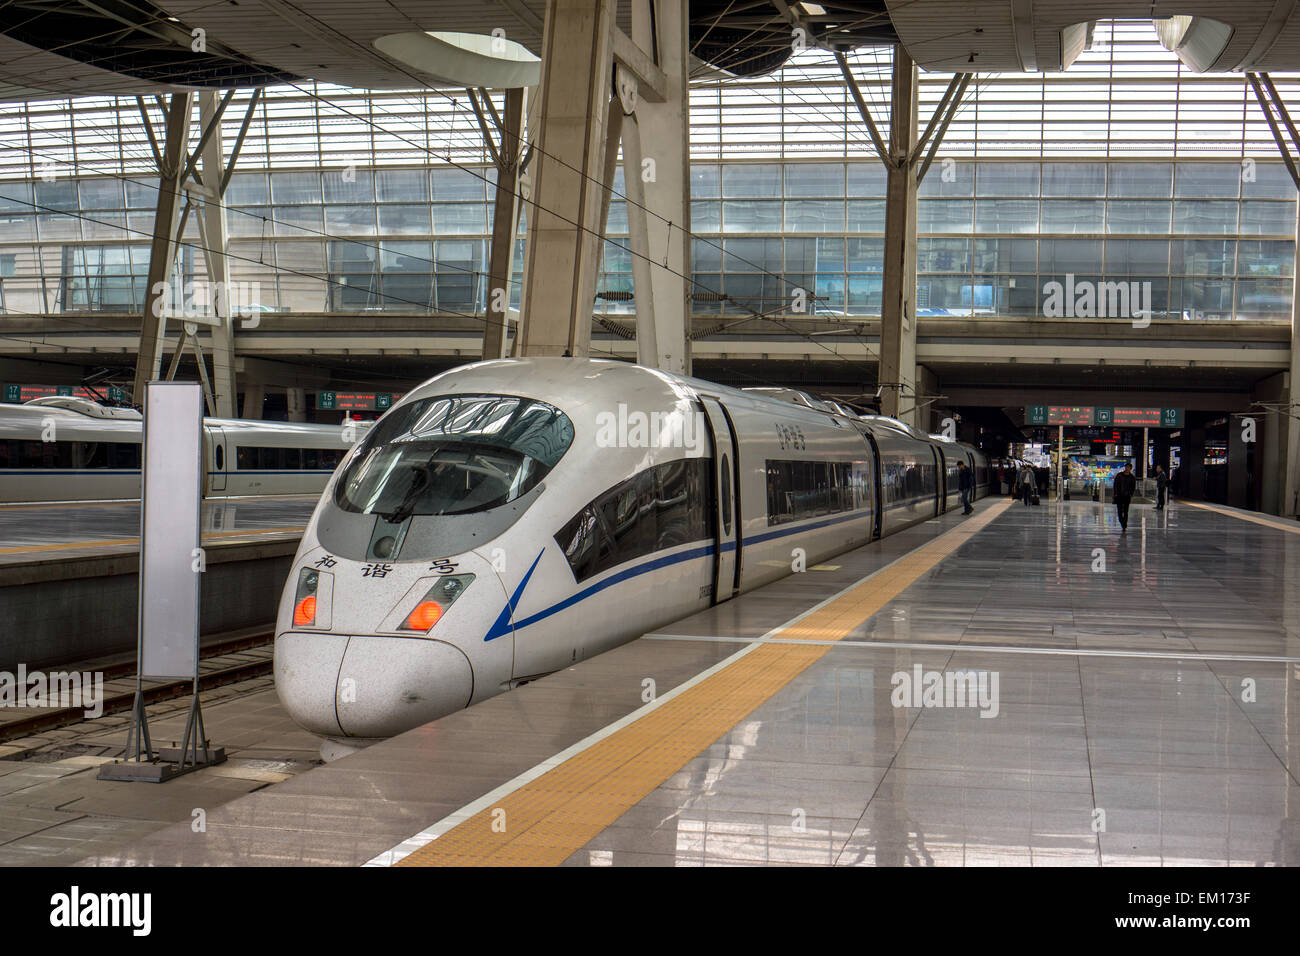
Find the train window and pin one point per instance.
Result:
(221, 458)
(906, 479)
(587, 545)
(629, 514)
(683, 503)
(454, 454)
(807, 489)
(726, 495)
(662, 507)
(69, 455)
(254, 458)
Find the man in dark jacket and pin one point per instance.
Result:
(1162, 487)
(1122, 492)
(965, 485)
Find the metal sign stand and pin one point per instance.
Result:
(167, 644)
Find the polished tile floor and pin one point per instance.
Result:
(1142, 694)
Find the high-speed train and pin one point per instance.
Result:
(72, 449)
(508, 518)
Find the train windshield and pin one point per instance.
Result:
(454, 454)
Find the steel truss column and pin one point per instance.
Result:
(907, 158)
(509, 156)
(1277, 116)
(171, 162)
(563, 224)
(215, 251)
(658, 180)
(898, 285)
(582, 123)
(203, 176)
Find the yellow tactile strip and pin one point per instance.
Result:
(1268, 522)
(547, 819)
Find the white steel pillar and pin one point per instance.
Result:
(1289, 501)
(509, 158)
(656, 158)
(215, 250)
(564, 224)
(171, 165)
(898, 285)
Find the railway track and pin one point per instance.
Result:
(247, 656)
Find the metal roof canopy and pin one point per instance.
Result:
(80, 47)
(1046, 35)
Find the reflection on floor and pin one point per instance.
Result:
(1134, 699)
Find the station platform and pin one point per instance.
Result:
(1133, 699)
(32, 532)
(62, 565)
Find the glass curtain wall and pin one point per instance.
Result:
(1126, 168)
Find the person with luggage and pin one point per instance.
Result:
(1027, 486)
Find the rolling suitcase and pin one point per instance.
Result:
(1035, 500)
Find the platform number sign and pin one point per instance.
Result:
(326, 401)
(1171, 417)
(1036, 415)
(13, 394)
(383, 400)
(1103, 416)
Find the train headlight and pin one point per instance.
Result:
(435, 602)
(313, 588)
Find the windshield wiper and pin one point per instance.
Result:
(419, 481)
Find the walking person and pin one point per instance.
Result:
(1027, 485)
(965, 485)
(1162, 487)
(1122, 491)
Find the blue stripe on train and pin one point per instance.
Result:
(503, 624)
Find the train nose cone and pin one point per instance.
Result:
(306, 678)
(387, 685)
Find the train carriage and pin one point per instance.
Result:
(71, 449)
(511, 517)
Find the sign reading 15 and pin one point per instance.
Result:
(790, 436)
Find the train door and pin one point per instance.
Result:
(878, 511)
(939, 481)
(942, 458)
(726, 497)
(217, 462)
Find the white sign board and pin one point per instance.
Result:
(171, 496)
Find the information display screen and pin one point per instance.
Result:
(1069, 414)
(1138, 417)
(17, 394)
(355, 401)
(1104, 416)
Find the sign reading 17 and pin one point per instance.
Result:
(790, 436)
